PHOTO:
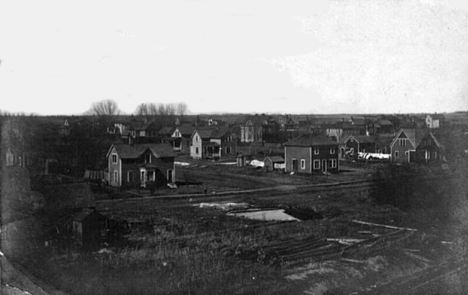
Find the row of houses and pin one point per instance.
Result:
(407, 146)
(141, 146)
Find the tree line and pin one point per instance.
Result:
(110, 108)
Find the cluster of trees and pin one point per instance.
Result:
(110, 108)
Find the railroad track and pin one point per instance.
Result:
(188, 199)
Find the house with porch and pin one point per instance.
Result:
(310, 154)
(141, 165)
(212, 143)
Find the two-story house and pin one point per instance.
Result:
(311, 154)
(141, 165)
(181, 137)
(199, 143)
(252, 129)
(212, 143)
(403, 146)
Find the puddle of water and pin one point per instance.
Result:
(267, 215)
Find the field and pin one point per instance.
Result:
(344, 243)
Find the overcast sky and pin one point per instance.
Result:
(58, 57)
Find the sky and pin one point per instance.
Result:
(235, 56)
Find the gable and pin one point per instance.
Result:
(176, 133)
(403, 135)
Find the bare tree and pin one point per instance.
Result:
(168, 109)
(104, 108)
(181, 109)
(147, 109)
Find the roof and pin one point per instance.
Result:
(205, 133)
(219, 132)
(385, 122)
(186, 130)
(163, 150)
(166, 131)
(383, 141)
(361, 138)
(275, 159)
(430, 134)
(211, 143)
(80, 216)
(125, 151)
(310, 140)
(358, 120)
(413, 135)
(140, 125)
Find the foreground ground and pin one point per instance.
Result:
(344, 242)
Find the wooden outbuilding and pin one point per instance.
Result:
(270, 162)
(89, 227)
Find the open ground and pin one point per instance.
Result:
(188, 243)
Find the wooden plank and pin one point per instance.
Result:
(383, 225)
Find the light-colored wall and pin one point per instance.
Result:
(298, 153)
(196, 144)
(114, 167)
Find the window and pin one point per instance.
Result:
(316, 164)
(316, 150)
(196, 150)
(402, 141)
(114, 159)
(196, 139)
(332, 151)
(302, 164)
(147, 158)
(332, 163)
(116, 176)
(396, 154)
(151, 176)
(130, 176)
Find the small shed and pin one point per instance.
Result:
(89, 227)
(270, 162)
(243, 159)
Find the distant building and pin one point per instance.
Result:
(252, 129)
(311, 154)
(433, 121)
